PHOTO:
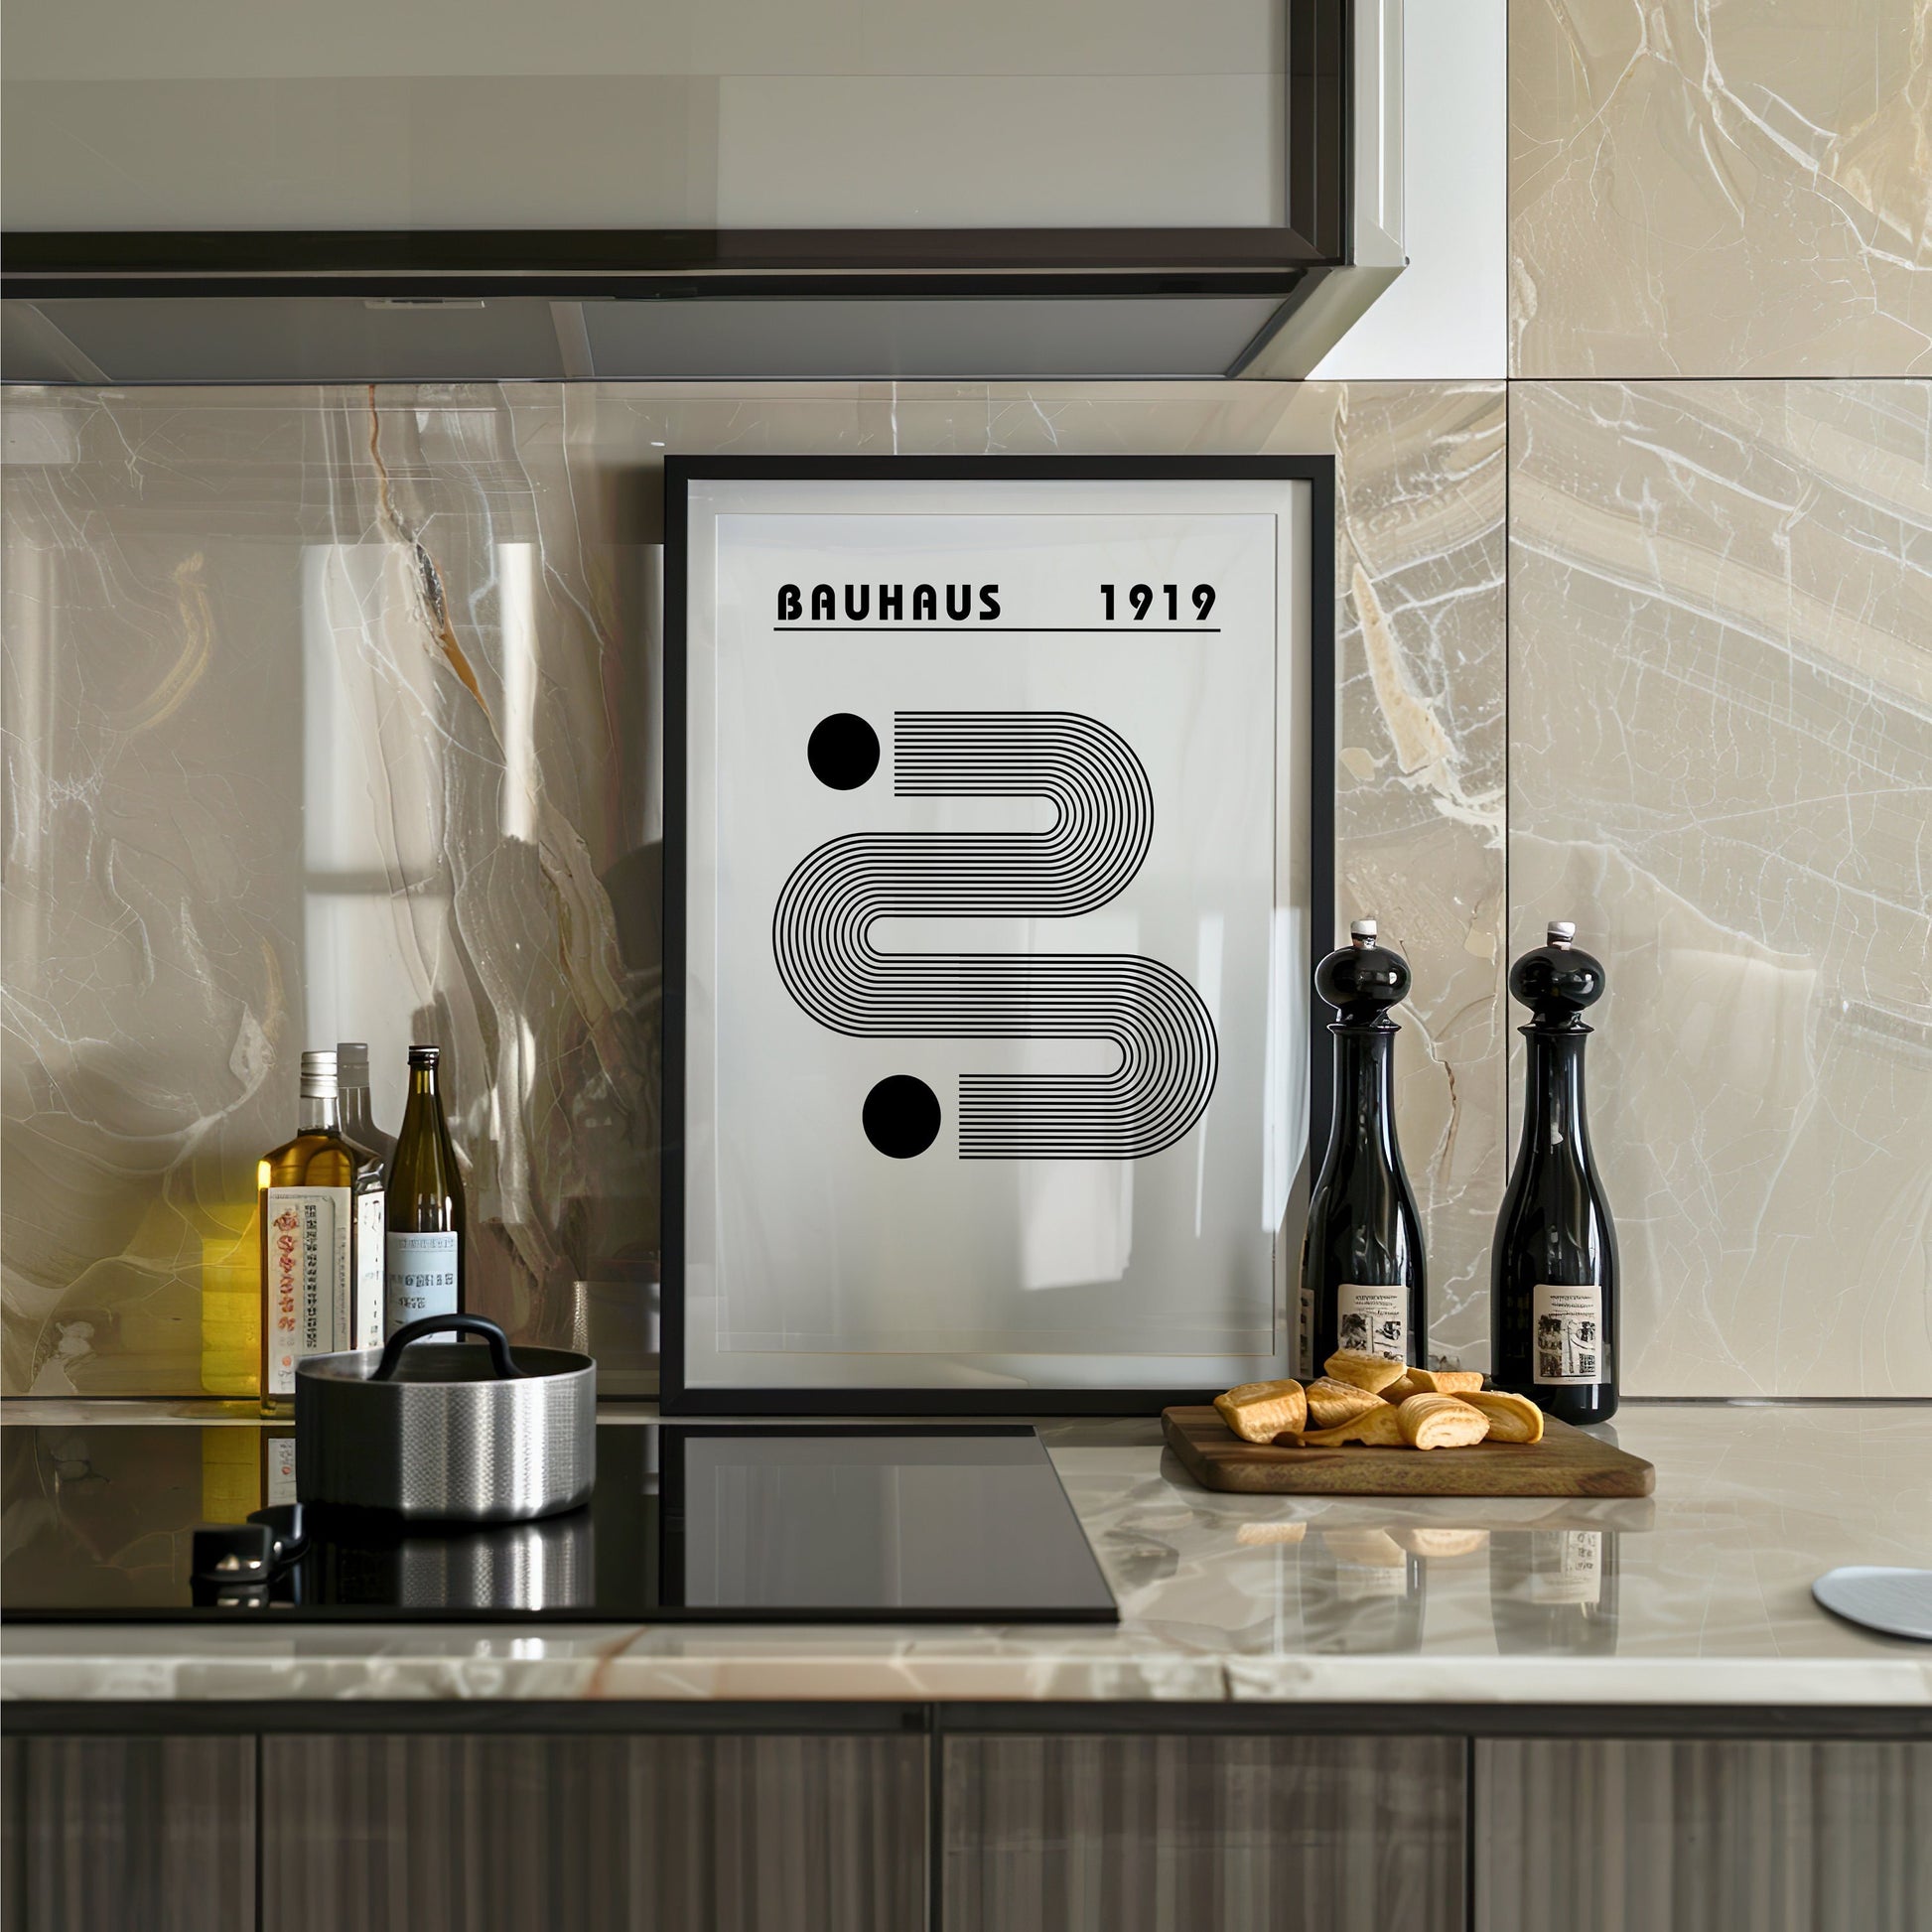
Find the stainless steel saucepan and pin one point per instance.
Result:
(446, 1429)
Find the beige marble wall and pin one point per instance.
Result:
(1721, 188)
(1717, 754)
(333, 713)
(1721, 684)
(1720, 760)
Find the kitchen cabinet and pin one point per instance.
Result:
(502, 1834)
(1202, 1824)
(1210, 1834)
(127, 1834)
(1601, 1834)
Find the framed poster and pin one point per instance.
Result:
(998, 836)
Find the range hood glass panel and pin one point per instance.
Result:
(705, 115)
(289, 339)
(901, 341)
(293, 339)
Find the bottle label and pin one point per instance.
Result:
(1569, 1335)
(307, 1286)
(278, 1470)
(421, 1277)
(1567, 1566)
(1373, 1318)
(371, 1266)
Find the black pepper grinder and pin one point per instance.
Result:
(1363, 1284)
(1554, 1271)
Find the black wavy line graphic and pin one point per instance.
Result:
(821, 937)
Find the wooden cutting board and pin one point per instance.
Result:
(1566, 1462)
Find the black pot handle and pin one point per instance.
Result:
(501, 1359)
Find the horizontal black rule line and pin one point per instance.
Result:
(1101, 1107)
(1043, 969)
(1037, 762)
(1082, 993)
(1024, 1018)
(1010, 967)
(968, 993)
(1117, 1119)
(1039, 745)
(1002, 630)
(938, 1019)
(1065, 784)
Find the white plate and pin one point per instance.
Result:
(1895, 1601)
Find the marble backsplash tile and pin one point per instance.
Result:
(334, 714)
(1721, 188)
(1720, 724)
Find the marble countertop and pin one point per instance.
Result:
(1699, 1595)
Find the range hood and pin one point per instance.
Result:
(344, 299)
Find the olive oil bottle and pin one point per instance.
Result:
(322, 1239)
(428, 1233)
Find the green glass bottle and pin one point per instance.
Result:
(427, 1237)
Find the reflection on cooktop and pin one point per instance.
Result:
(724, 1523)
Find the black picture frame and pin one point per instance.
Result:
(675, 1396)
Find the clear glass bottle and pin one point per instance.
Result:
(377, 1148)
(428, 1235)
(1363, 1275)
(358, 1124)
(1554, 1269)
(320, 1202)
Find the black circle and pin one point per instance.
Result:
(843, 751)
(901, 1116)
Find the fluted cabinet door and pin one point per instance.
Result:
(1622, 1835)
(128, 1834)
(1175, 1834)
(652, 1834)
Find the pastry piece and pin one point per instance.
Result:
(1445, 1381)
(1428, 1422)
(1372, 1372)
(1512, 1418)
(1379, 1424)
(1258, 1412)
(1253, 1533)
(1442, 1543)
(1332, 1402)
(1433, 1381)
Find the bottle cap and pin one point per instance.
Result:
(425, 1056)
(1558, 981)
(319, 1080)
(1363, 979)
(352, 1057)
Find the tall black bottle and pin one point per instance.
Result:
(1363, 1284)
(1553, 1272)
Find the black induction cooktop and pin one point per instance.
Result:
(724, 1523)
